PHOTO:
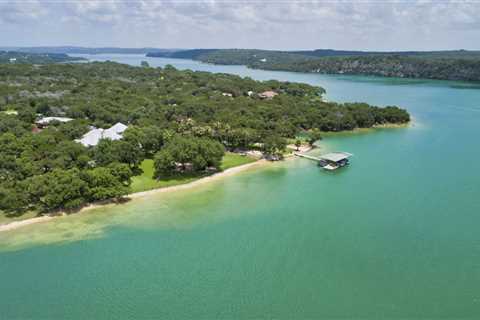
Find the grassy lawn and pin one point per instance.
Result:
(231, 160)
(145, 181)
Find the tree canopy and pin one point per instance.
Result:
(184, 120)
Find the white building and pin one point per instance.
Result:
(46, 120)
(13, 60)
(268, 94)
(93, 137)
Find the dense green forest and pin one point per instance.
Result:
(184, 120)
(388, 66)
(35, 58)
(441, 65)
(247, 57)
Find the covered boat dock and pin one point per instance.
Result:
(329, 161)
(334, 160)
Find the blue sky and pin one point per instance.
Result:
(281, 24)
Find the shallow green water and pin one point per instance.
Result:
(395, 235)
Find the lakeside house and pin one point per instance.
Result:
(43, 122)
(268, 94)
(93, 137)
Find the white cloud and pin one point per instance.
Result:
(372, 24)
(13, 12)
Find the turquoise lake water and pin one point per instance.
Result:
(395, 235)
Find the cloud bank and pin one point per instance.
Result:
(280, 24)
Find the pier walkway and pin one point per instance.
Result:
(298, 154)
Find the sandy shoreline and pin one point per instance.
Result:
(216, 176)
(229, 172)
(23, 223)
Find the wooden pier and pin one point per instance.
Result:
(298, 154)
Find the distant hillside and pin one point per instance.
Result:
(320, 53)
(442, 65)
(85, 50)
(194, 54)
(388, 66)
(35, 58)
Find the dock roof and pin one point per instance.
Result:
(336, 156)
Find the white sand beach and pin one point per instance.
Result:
(44, 218)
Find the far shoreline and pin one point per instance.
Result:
(377, 127)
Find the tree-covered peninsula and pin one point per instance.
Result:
(440, 65)
(35, 58)
(182, 121)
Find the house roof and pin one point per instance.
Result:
(336, 156)
(92, 137)
(47, 120)
(118, 127)
(111, 134)
(268, 94)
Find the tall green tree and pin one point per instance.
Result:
(200, 153)
(103, 184)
